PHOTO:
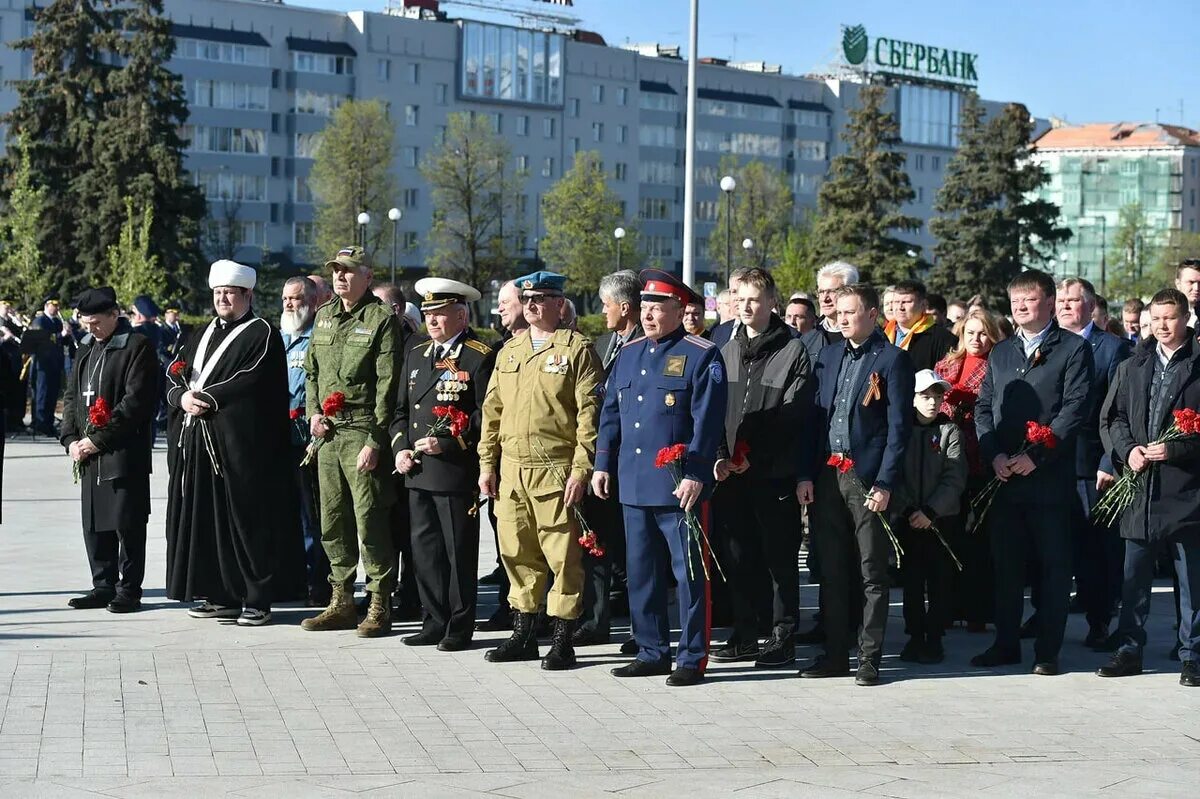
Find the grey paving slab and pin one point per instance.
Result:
(158, 704)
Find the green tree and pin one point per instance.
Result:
(796, 269)
(993, 223)
(860, 204)
(1134, 269)
(133, 266)
(762, 212)
(24, 275)
(352, 173)
(580, 213)
(476, 225)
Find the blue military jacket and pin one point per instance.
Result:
(660, 393)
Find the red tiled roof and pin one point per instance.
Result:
(1107, 135)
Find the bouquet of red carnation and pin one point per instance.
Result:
(99, 415)
(844, 465)
(1036, 435)
(178, 369)
(590, 544)
(961, 405)
(331, 406)
(672, 458)
(1121, 494)
(447, 421)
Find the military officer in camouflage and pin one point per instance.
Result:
(539, 437)
(354, 351)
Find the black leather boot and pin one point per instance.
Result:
(521, 645)
(562, 650)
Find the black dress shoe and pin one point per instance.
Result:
(124, 604)
(90, 601)
(1030, 628)
(423, 639)
(643, 668)
(734, 651)
(1097, 636)
(630, 647)
(996, 657)
(1190, 674)
(498, 622)
(589, 638)
(777, 652)
(685, 676)
(823, 667)
(449, 644)
(867, 674)
(1046, 668)
(1123, 664)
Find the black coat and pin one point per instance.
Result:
(1050, 387)
(456, 468)
(1173, 510)
(601, 345)
(930, 346)
(116, 483)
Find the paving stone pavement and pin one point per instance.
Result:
(157, 704)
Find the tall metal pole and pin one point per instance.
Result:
(689, 158)
(728, 235)
(395, 229)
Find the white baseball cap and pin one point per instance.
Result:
(927, 379)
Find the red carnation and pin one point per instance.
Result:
(459, 422)
(841, 463)
(99, 414)
(1040, 434)
(178, 369)
(333, 404)
(740, 450)
(295, 413)
(1187, 420)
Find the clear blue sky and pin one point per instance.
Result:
(1086, 60)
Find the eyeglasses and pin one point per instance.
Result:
(536, 299)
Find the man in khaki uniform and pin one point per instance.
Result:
(539, 433)
(354, 351)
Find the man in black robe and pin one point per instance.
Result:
(118, 370)
(232, 533)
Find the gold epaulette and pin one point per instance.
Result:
(477, 345)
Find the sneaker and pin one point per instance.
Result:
(734, 651)
(779, 650)
(210, 611)
(254, 618)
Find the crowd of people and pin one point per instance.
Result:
(894, 438)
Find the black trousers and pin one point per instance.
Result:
(607, 521)
(118, 561)
(973, 589)
(445, 547)
(1098, 555)
(502, 584)
(926, 575)
(406, 579)
(1021, 531)
(853, 548)
(764, 550)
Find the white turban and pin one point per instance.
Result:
(231, 273)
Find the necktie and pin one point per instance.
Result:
(437, 354)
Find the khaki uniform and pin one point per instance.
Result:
(541, 406)
(355, 352)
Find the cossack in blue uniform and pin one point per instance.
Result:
(661, 392)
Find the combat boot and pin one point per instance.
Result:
(379, 617)
(521, 645)
(562, 651)
(339, 615)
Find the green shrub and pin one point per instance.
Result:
(592, 325)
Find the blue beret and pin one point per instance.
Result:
(548, 282)
(145, 306)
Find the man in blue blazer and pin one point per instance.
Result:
(1098, 553)
(1042, 374)
(861, 419)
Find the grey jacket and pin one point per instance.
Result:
(935, 471)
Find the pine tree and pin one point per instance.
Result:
(762, 212)
(133, 267)
(861, 202)
(475, 222)
(352, 173)
(580, 213)
(23, 273)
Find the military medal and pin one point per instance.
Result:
(669, 400)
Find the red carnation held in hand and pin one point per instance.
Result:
(333, 404)
(178, 369)
(99, 414)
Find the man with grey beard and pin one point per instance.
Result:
(300, 298)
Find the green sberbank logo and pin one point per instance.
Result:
(899, 57)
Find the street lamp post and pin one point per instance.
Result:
(394, 214)
(728, 184)
(364, 219)
(619, 234)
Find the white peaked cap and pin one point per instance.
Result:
(231, 273)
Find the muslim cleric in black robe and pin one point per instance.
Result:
(233, 531)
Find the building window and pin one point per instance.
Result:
(307, 144)
(243, 233)
(439, 93)
(548, 167)
(597, 93)
(225, 53)
(573, 107)
(522, 125)
(597, 131)
(573, 145)
(409, 240)
(303, 192)
(653, 101)
(622, 96)
(522, 163)
(227, 94)
(1192, 197)
(659, 246)
(497, 122)
(920, 194)
(706, 210)
(384, 69)
(322, 64)
(503, 63)
(935, 162)
(225, 185)
(317, 103)
(439, 135)
(622, 134)
(414, 73)
(759, 144)
(929, 115)
(304, 234)
(411, 113)
(410, 198)
(654, 208)
(548, 127)
(657, 136)
(620, 172)
(919, 162)
(409, 156)
(811, 150)
(205, 139)
(657, 172)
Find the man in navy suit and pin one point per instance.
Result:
(862, 413)
(666, 388)
(1098, 551)
(1042, 374)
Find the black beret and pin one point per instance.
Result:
(97, 300)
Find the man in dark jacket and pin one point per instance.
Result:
(768, 373)
(830, 278)
(116, 369)
(914, 329)
(1158, 380)
(1043, 374)
(861, 421)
